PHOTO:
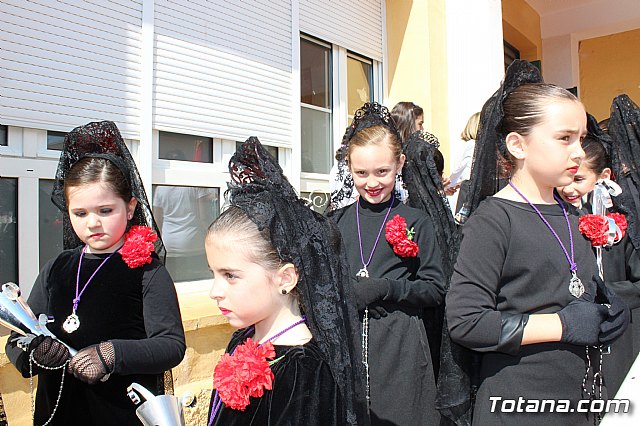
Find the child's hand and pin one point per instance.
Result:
(618, 316)
(368, 291)
(581, 321)
(93, 363)
(48, 351)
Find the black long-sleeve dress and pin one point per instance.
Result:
(136, 309)
(511, 264)
(304, 391)
(402, 383)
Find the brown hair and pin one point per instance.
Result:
(595, 156)
(376, 135)
(524, 109)
(90, 170)
(257, 244)
(404, 114)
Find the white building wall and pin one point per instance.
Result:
(475, 61)
(353, 24)
(65, 63)
(222, 69)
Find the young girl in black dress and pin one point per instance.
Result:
(108, 293)
(396, 272)
(279, 276)
(620, 259)
(523, 289)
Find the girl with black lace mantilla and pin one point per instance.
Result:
(396, 272)
(108, 293)
(524, 291)
(280, 275)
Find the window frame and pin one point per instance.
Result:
(319, 182)
(369, 62)
(330, 110)
(14, 142)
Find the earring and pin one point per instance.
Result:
(284, 292)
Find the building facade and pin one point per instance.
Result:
(187, 80)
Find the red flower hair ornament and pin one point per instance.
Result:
(401, 238)
(603, 230)
(138, 245)
(246, 373)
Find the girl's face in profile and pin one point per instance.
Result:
(552, 152)
(98, 216)
(243, 290)
(419, 123)
(374, 171)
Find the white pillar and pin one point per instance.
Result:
(475, 62)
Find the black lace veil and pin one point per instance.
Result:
(426, 192)
(314, 245)
(101, 140)
(624, 130)
(490, 143)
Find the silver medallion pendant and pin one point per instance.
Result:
(363, 273)
(71, 324)
(576, 288)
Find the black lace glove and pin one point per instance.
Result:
(48, 351)
(618, 316)
(93, 363)
(581, 322)
(368, 291)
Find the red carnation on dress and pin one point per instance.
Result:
(396, 229)
(621, 221)
(244, 374)
(595, 227)
(400, 237)
(138, 245)
(406, 248)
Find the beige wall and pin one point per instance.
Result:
(417, 60)
(521, 28)
(609, 66)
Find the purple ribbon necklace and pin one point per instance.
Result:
(576, 288)
(363, 273)
(217, 401)
(72, 323)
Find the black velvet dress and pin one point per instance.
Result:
(510, 263)
(136, 309)
(304, 391)
(402, 382)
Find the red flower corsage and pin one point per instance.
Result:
(621, 221)
(400, 237)
(596, 227)
(246, 373)
(138, 245)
